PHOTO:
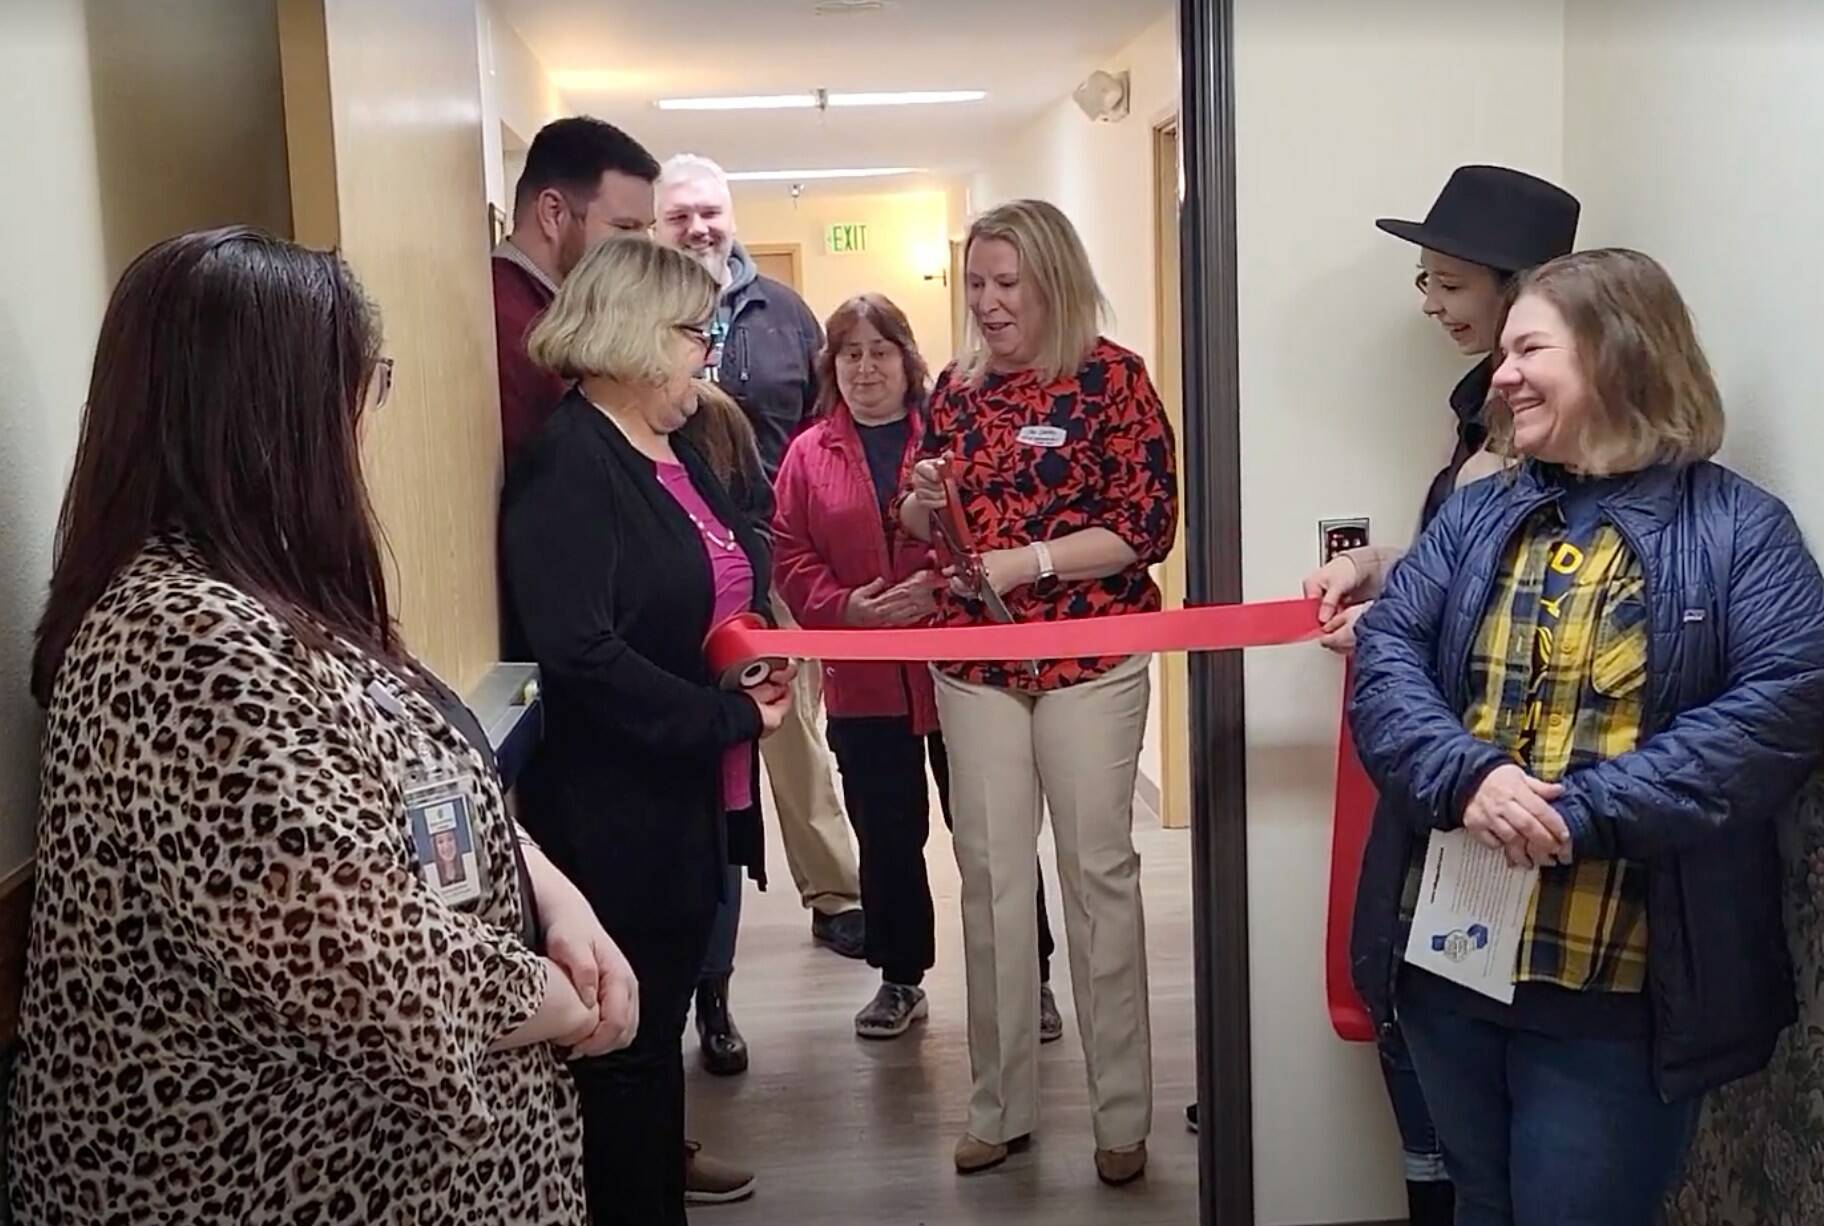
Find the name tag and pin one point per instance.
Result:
(1043, 436)
(441, 818)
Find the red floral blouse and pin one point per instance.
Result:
(1037, 461)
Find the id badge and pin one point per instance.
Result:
(441, 816)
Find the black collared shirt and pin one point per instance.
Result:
(1466, 401)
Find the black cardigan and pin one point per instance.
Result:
(609, 590)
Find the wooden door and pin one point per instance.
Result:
(783, 262)
(386, 165)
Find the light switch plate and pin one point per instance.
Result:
(1336, 536)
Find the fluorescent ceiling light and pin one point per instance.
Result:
(822, 98)
(805, 176)
(927, 97)
(757, 102)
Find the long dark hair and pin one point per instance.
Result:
(892, 324)
(225, 403)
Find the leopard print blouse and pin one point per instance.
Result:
(243, 1004)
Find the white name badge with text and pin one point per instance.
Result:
(1043, 436)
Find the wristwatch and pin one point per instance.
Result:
(1047, 583)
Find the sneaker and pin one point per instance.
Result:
(845, 933)
(892, 1011)
(710, 1181)
(1051, 1022)
(1190, 1117)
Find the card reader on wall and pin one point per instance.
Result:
(1336, 536)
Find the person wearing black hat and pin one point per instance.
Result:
(1488, 225)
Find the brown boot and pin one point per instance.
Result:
(974, 1155)
(1118, 1166)
(711, 1181)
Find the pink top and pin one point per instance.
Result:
(733, 575)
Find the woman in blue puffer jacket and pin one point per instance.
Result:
(1609, 665)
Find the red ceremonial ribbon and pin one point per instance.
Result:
(742, 652)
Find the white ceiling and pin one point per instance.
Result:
(615, 58)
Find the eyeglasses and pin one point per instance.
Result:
(698, 334)
(383, 381)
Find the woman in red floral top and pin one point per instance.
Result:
(1064, 467)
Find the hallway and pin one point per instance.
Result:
(843, 1132)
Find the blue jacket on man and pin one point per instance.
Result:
(1733, 722)
(768, 357)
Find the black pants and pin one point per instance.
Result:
(882, 762)
(883, 772)
(633, 1099)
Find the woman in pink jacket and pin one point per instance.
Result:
(840, 561)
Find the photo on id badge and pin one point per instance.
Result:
(443, 838)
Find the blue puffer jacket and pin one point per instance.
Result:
(1733, 722)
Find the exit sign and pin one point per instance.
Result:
(846, 239)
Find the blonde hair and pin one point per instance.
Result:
(1653, 397)
(1055, 266)
(617, 313)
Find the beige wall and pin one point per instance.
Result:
(1100, 175)
(134, 121)
(1695, 132)
(189, 118)
(1344, 112)
(53, 288)
(383, 106)
(516, 93)
(908, 236)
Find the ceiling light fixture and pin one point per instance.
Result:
(755, 102)
(926, 97)
(822, 99)
(806, 176)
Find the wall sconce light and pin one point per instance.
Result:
(934, 262)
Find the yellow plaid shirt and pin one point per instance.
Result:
(1558, 683)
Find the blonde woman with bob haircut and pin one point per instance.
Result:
(1609, 668)
(620, 549)
(1063, 462)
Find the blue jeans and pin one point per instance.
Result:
(1424, 1157)
(719, 958)
(1543, 1131)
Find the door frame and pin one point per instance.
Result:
(1212, 485)
(1168, 371)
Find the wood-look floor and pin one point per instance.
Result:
(843, 1132)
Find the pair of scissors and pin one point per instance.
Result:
(956, 551)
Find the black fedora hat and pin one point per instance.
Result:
(1502, 219)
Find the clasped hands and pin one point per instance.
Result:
(1512, 812)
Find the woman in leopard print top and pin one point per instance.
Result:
(246, 1000)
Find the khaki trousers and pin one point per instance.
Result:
(1076, 752)
(811, 823)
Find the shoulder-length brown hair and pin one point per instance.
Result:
(722, 433)
(892, 324)
(1055, 264)
(225, 403)
(1654, 399)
